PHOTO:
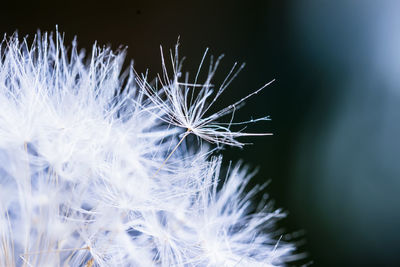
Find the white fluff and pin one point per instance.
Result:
(95, 169)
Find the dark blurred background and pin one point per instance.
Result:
(334, 159)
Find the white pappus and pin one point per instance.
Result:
(94, 170)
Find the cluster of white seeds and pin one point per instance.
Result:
(96, 167)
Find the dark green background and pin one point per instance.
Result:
(334, 156)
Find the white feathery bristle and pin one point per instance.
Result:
(95, 171)
(186, 104)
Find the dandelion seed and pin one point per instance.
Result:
(185, 108)
(90, 263)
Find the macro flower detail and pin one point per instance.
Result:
(81, 145)
(185, 108)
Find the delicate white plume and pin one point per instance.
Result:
(95, 171)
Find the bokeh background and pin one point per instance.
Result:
(334, 158)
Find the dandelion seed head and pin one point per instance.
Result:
(94, 170)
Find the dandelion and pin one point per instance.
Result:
(81, 144)
(184, 108)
